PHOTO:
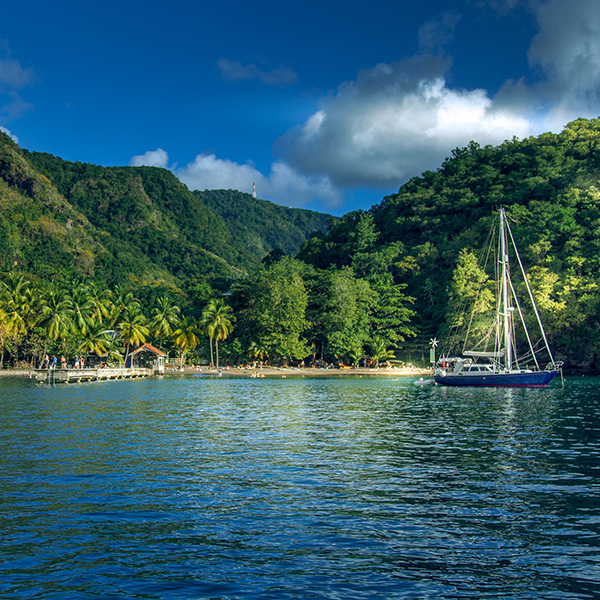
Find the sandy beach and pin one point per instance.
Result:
(300, 372)
(268, 372)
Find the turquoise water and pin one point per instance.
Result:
(298, 488)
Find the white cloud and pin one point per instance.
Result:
(395, 121)
(567, 50)
(14, 138)
(14, 107)
(151, 158)
(13, 77)
(434, 34)
(283, 185)
(282, 76)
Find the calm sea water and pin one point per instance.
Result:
(298, 488)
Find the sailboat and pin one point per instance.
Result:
(501, 367)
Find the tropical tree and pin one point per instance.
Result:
(258, 351)
(101, 303)
(17, 305)
(272, 308)
(380, 352)
(57, 313)
(132, 327)
(82, 309)
(186, 336)
(121, 300)
(345, 305)
(217, 321)
(165, 316)
(99, 341)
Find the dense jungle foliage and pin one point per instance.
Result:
(261, 226)
(364, 288)
(550, 187)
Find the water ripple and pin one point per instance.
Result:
(298, 488)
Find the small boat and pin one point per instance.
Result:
(500, 366)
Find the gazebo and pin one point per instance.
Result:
(158, 362)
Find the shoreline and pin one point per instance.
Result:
(265, 372)
(282, 372)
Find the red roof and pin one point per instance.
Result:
(148, 348)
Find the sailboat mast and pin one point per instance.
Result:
(504, 263)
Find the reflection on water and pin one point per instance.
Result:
(298, 488)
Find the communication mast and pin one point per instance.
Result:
(254, 190)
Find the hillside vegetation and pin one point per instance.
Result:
(550, 186)
(262, 226)
(379, 284)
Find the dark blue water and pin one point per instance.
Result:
(298, 488)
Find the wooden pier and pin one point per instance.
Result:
(95, 374)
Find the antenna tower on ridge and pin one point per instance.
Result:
(254, 190)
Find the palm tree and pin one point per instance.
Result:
(258, 351)
(131, 327)
(379, 351)
(82, 308)
(102, 304)
(356, 354)
(17, 304)
(121, 301)
(186, 336)
(165, 317)
(18, 308)
(97, 340)
(57, 311)
(217, 322)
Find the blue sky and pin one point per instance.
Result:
(327, 105)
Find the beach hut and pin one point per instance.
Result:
(149, 356)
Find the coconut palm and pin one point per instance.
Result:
(379, 351)
(17, 305)
(132, 327)
(258, 351)
(186, 336)
(57, 311)
(121, 301)
(101, 303)
(165, 316)
(97, 340)
(82, 309)
(217, 322)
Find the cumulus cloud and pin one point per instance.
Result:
(13, 77)
(151, 158)
(14, 106)
(395, 121)
(14, 138)
(434, 34)
(282, 76)
(283, 184)
(567, 50)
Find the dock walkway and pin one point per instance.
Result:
(95, 374)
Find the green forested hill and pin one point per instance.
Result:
(147, 213)
(550, 186)
(140, 228)
(261, 226)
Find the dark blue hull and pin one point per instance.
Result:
(534, 379)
